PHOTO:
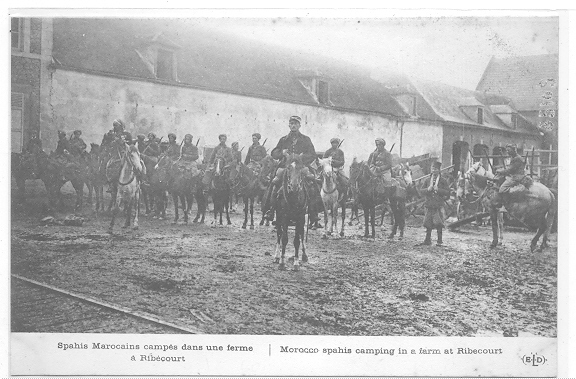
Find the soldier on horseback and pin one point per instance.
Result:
(337, 162)
(63, 145)
(220, 151)
(294, 143)
(77, 145)
(256, 152)
(236, 154)
(116, 133)
(380, 163)
(173, 150)
(513, 174)
(152, 146)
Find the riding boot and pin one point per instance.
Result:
(439, 232)
(269, 215)
(428, 239)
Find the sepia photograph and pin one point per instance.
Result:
(285, 175)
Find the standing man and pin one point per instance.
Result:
(514, 174)
(337, 162)
(256, 152)
(437, 191)
(380, 163)
(294, 143)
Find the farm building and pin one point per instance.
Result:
(167, 75)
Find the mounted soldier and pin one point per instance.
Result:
(294, 143)
(173, 150)
(117, 132)
(380, 164)
(337, 162)
(77, 145)
(63, 147)
(236, 154)
(256, 152)
(152, 146)
(514, 174)
(220, 151)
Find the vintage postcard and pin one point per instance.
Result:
(288, 192)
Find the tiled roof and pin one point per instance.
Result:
(460, 105)
(520, 79)
(215, 61)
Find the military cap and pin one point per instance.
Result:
(381, 140)
(437, 165)
(78, 132)
(117, 122)
(222, 135)
(335, 140)
(140, 136)
(151, 135)
(172, 135)
(295, 118)
(257, 135)
(510, 145)
(188, 135)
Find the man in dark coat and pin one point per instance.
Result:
(141, 143)
(220, 151)
(63, 145)
(77, 145)
(337, 162)
(513, 173)
(173, 149)
(380, 163)
(295, 143)
(436, 192)
(256, 152)
(152, 146)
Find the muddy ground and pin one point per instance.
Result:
(219, 280)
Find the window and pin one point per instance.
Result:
(514, 121)
(165, 65)
(323, 92)
(16, 32)
(17, 121)
(480, 116)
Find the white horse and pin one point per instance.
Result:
(128, 186)
(331, 198)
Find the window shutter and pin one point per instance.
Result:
(17, 100)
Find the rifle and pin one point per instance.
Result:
(340, 144)
(394, 144)
(488, 159)
(532, 163)
(265, 142)
(197, 141)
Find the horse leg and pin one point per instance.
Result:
(227, 216)
(550, 219)
(302, 237)
(245, 213)
(284, 222)
(373, 220)
(278, 239)
(175, 200)
(128, 211)
(136, 201)
(114, 213)
(393, 208)
(251, 212)
(325, 235)
(334, 225)
(297, 238)
(495, 227)
(500, 227)
(401, 216)
(343, 217)
(366, 210)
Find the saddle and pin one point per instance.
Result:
(523, 185)
(186, 168)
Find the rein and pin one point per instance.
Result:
(133, 176)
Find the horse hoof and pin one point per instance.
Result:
(291, 260)
(341, 234)
(251, 227)
(135, 228)
(324, 237)
(267, 253)
(282, 267)
(304, 258)
(243, 226)
(230, 223)
(493, 245)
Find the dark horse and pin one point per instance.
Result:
(534, 206)
(220, 190)
(183, 184)
(366, 187)
(249, 182)
(292, 206)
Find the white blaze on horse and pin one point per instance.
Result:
(332, 197)
(129, 186)
(532, 203)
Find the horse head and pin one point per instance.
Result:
(326, 165)
(219, 166)
(404, 172)
(293, 171)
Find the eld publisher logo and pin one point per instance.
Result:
(534, 359)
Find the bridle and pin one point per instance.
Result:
(132, 171)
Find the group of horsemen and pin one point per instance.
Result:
(293, 144)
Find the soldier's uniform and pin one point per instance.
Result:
(513, 173)
(141, 143)
(63, 145)
(380, 163)
(295, 143)
(256, 153)
(434, 205)
(337, 162)
(220, 151)
(236, 154)
(77, 145)
(173, 150)
(188, 155)
(152, 147)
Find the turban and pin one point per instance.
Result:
(118, 122)
(381, 140)
(78, 132)
(257, 135)
(222, 136)
(296, 118)
(172, 135)
(188, 135)
(141, 136)
(334, 140)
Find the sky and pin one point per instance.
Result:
(452, 50)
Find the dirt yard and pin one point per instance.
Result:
(219, 280)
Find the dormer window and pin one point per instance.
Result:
(408, 103)
(323, 92)
(165, 65)
(16, 32)
(480, 116)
